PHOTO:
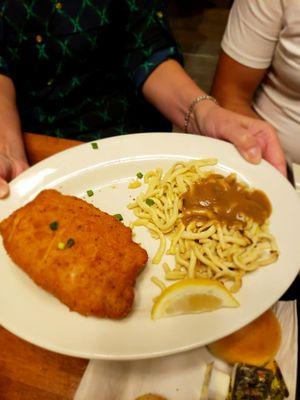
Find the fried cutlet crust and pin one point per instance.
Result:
(96, 275)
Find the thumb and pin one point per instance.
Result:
(245, 143)
(18, 167)
(4, 188)
(5, 168)
(5, 175)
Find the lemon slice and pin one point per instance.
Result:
(191, 296)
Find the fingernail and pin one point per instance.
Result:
(253, 155)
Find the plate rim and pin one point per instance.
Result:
(83, 354)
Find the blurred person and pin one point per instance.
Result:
(258, 74)
(92, 69)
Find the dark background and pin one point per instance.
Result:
(198, 27)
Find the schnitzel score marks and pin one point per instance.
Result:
(83, 256)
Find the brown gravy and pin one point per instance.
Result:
(225, 200)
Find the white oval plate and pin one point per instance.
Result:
(31, 313)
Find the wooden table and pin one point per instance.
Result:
(28, 372)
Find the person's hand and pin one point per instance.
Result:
(254, 138)
(10, 167)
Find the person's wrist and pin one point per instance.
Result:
(198, 109)
(203, 108)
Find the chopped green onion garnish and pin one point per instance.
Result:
(139, 175)
(150, 202)
(94, 145)
(118, 217)
(61, 245)
(54, 225)
(70, 243)
(90, 193)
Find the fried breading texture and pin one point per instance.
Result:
(96, 275)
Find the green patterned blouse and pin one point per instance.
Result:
(78, 66)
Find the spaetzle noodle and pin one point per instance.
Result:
(201, 249)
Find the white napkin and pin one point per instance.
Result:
(180, 377)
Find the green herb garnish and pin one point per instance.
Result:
(139, 175)
(54, 225)
(94, 145)
(61, 245)
(150, 202)
(70, 243)
(90, 193)
(118, 217)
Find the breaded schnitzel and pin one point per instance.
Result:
(83, 256)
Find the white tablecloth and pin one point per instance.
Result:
(180, 377)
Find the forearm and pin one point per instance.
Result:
(11, 142)
(170, 89)
(235, 102)
(242, 107)
(235, 84)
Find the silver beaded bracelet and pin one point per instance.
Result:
(191, 107)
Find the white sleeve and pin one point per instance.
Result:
(252, 31)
